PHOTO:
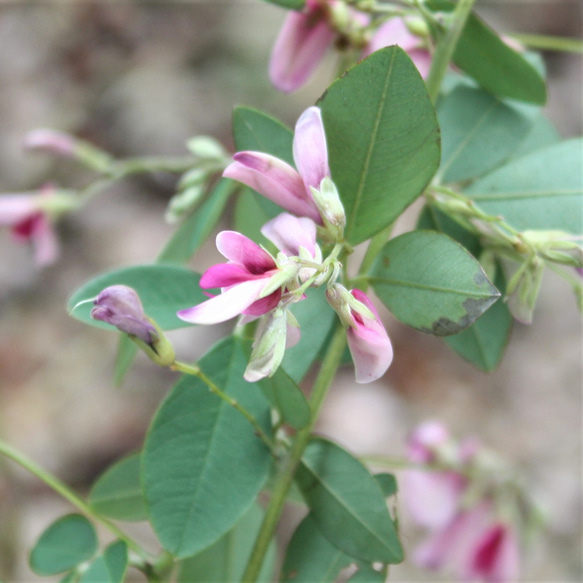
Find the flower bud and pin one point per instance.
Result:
(523, 289)
(50, 141)
(206, 148)
(417, 26)
(183, 202)
(269, 346)
(330, 207)
(120, 306)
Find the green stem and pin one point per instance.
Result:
(374, 247)
(446, 47)
(196, 372)
(64, 491)
(551, 43)
(286, 475)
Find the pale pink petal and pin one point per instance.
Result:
(50, 141)
(422, 60)
(369, 344)
(264, 305)
(432, 498)
(275, 180)
(426, 438)
(293, 336)
(496, 557)
(244, 252)
(392, 32)
(229, 304)
(45, 241)
(299, 48)
(16, 207)
(289, 233)
(225, 275)
(310, 149)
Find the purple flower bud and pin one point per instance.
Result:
(120, 306)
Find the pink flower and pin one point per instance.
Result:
(395, 32)
(29, 223)
(252, 282)
(432, 497)
(50, 141)
(300, 47)
(475, 546)
(277, 180)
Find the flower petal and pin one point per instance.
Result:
(229, 304)
(310, 149)
(264, 305)
(275, 180)
(244, 252)
(393, 32)
(225, 275)
(289, 233)
(45, 241)
(16, 207)
(299, 48)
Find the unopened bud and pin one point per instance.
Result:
(340, 298)
(120, 306)
(183, 202)
(523, 289)
(330, 207)
(556, 246)
(339, 15)
(193, 177)
(417, 26)
(206, 148)
(50, 141)
(269, 346)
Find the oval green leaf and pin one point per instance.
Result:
(478, 132)
(431, 283)
(542, 133)
(226, 559)
(163, 289)
(347, 504)
(383, 140)
(117, 493)
(310, 557)
(367, 575)
(110, 567)
(483, 55)
(63, 545)
(543, 190)
(202, 464)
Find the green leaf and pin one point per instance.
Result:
(367, 575)
(194, 231)
(347, 503)
(250, 216)
(71, 577)
(478, 132)
(163, 289)
(202, 464)
(316, 319)
(291, 4)
(226, 559)
(484, 343)
(65, 544)
(431, 283)
(285, 396)
(387, 483)
(483, 55)
(117, 493)
(259, 132)
(110, 567)
(542, 190)
(383, 140)
(126, 352)
(542, 133)
(310, 557)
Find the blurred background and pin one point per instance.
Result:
(139, 78)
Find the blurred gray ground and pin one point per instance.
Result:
(141, 79)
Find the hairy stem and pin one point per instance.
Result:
(446, 47)
(286, 475)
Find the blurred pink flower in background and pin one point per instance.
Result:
(277, 180)
(29, 222)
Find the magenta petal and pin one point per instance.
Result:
(229, 304)
(310, 149)
(275, 180)
(45, 241)
(16, 207)
(244, 252)
(225, 275)
(424, 440)
(432, 498)
(264, 305)
(289, 233)
(299, 49)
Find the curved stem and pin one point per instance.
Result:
(446, 47)
(289, 467)
(550, 43)
(375, 245)
(63, 490)
(196, 372)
